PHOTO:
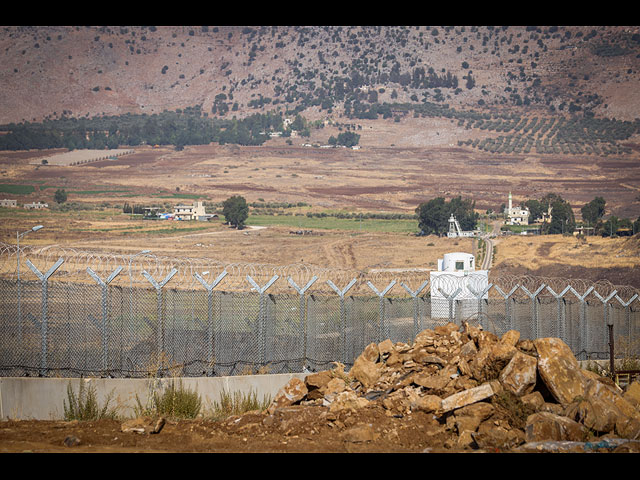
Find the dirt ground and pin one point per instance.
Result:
(297, 429)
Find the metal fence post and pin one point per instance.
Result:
(210, 317)
(160, 327)
(303, 314)
(382, 327)
(44, 278)
(105, 312)
(416, 305)
(343, 316)
(262, 317)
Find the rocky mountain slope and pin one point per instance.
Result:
(325, 72)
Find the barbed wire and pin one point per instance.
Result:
(183, 272)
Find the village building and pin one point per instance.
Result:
(35, 205)
(8, 203)
(191, 212)
(516, 215)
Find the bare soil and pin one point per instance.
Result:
(299, 429)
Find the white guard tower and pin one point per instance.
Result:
(457, 270)
(456, 231)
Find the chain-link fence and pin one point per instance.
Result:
(66, 317)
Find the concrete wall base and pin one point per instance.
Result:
(44, 398)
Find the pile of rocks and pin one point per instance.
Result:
(490, 392)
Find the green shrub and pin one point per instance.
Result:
(177, 402)
(237, 404)
(85, 405)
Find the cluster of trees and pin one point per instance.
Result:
(433, 215)
(593, 214)
(136, 209)
(563, 220)
(562, 217)
(347, 139)
(60, 196)
(188, 127)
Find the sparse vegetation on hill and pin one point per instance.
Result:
(350, 71)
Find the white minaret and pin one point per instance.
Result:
(510, 205)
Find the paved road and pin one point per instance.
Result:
(488, 239)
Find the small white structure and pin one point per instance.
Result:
(516, 215)
(35, 205)
(456, 231)
(8, 203)
(457, 279)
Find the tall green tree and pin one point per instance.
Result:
(536, 209)
(60, 196)
(562, 218)
(593, 211)
(235, 211)
(433, 215)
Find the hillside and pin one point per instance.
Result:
(325, 72)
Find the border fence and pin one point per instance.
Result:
(74, 313)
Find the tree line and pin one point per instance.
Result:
(180, 128)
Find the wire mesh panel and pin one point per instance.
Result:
(550, 313)
(423, 310)
(522, 318)
(400, 318)
(324, 331)
(626, 330)
(74, 329)
(283, 340)
(573, 326)
(596, 331)
(184, 336)
(31, 327)
(237, 342)
(140, 352)
(11, 331)
(497, 319)
(363, 326)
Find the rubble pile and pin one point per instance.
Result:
(486, 392)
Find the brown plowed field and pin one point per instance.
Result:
(388, 174)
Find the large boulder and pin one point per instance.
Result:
(520, 374)
(560, 370)
(547, 426)
(472, 395)
(293, 392)
(470, 417)
(632, 394)
(317, 383)
(365, 371)
(491, 358)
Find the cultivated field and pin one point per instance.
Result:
(390, 173)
